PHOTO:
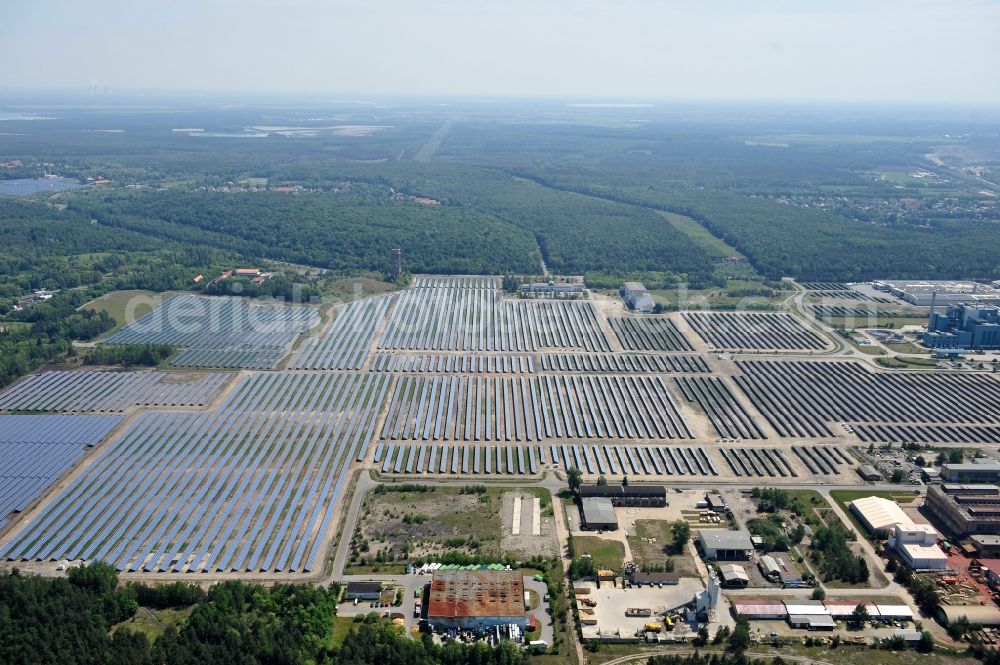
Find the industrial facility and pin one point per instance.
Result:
(477, 599)
(964, 326)
(725, 545)
(970, 473)
(916, 546)
(636, 297)
(965, 509)
(878, 515)
(943, 292)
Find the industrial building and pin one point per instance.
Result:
(769, 568)
(987, 616)
(965, 510)
(943, 292)
(878, 515)
(868, 472)
(816, 615)
(597, 514)
(364, 590)
(636, 297)
(477, 599)
(629, 496)
(733, 576)
(964, 326)
(725, 545)
(970, 473)
(986, 546)
(916, 546)
(551, 288)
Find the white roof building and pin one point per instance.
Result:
(916, 545)
(878, 514)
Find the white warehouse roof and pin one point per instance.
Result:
(877, 513)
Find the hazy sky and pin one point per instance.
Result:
(815, 50)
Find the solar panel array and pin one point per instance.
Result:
(724, 411)
(110, 391)
(751, 330)
(249, 487)
(346, 344)
(225, 332)
(440, 316)
(466, 364)
(36, 450)
(462, 408)
(530, 459)
(800, 398)
(622, 362)
(648, 334)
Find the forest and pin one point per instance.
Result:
(81, 619)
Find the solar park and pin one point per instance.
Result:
(245, 472)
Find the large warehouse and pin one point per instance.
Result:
(965, 509)
(725, 545)
(942, 292)
(632, 496)
(597, 513)
(878, 515)
(477, 599)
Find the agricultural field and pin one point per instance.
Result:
(127, 306)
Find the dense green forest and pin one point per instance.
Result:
(79, 620)
(799, 192)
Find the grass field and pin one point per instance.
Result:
(854, 322)
(655, 555)
(428, 524)
(606, 553)
(126, 306)
(908, 347)
(701, 236)
(152, 623)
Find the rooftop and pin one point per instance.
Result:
(476, 593)
(880, 513)
(598, 510)
(725, 540)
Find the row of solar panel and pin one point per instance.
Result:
(346, 343)
(529, 459)
(535, 408)
(220, 327)
(800, 398)
(243, 488)
(472, 364)
(109, 391)
(36, 450)
(482, 320)
(622, 362)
